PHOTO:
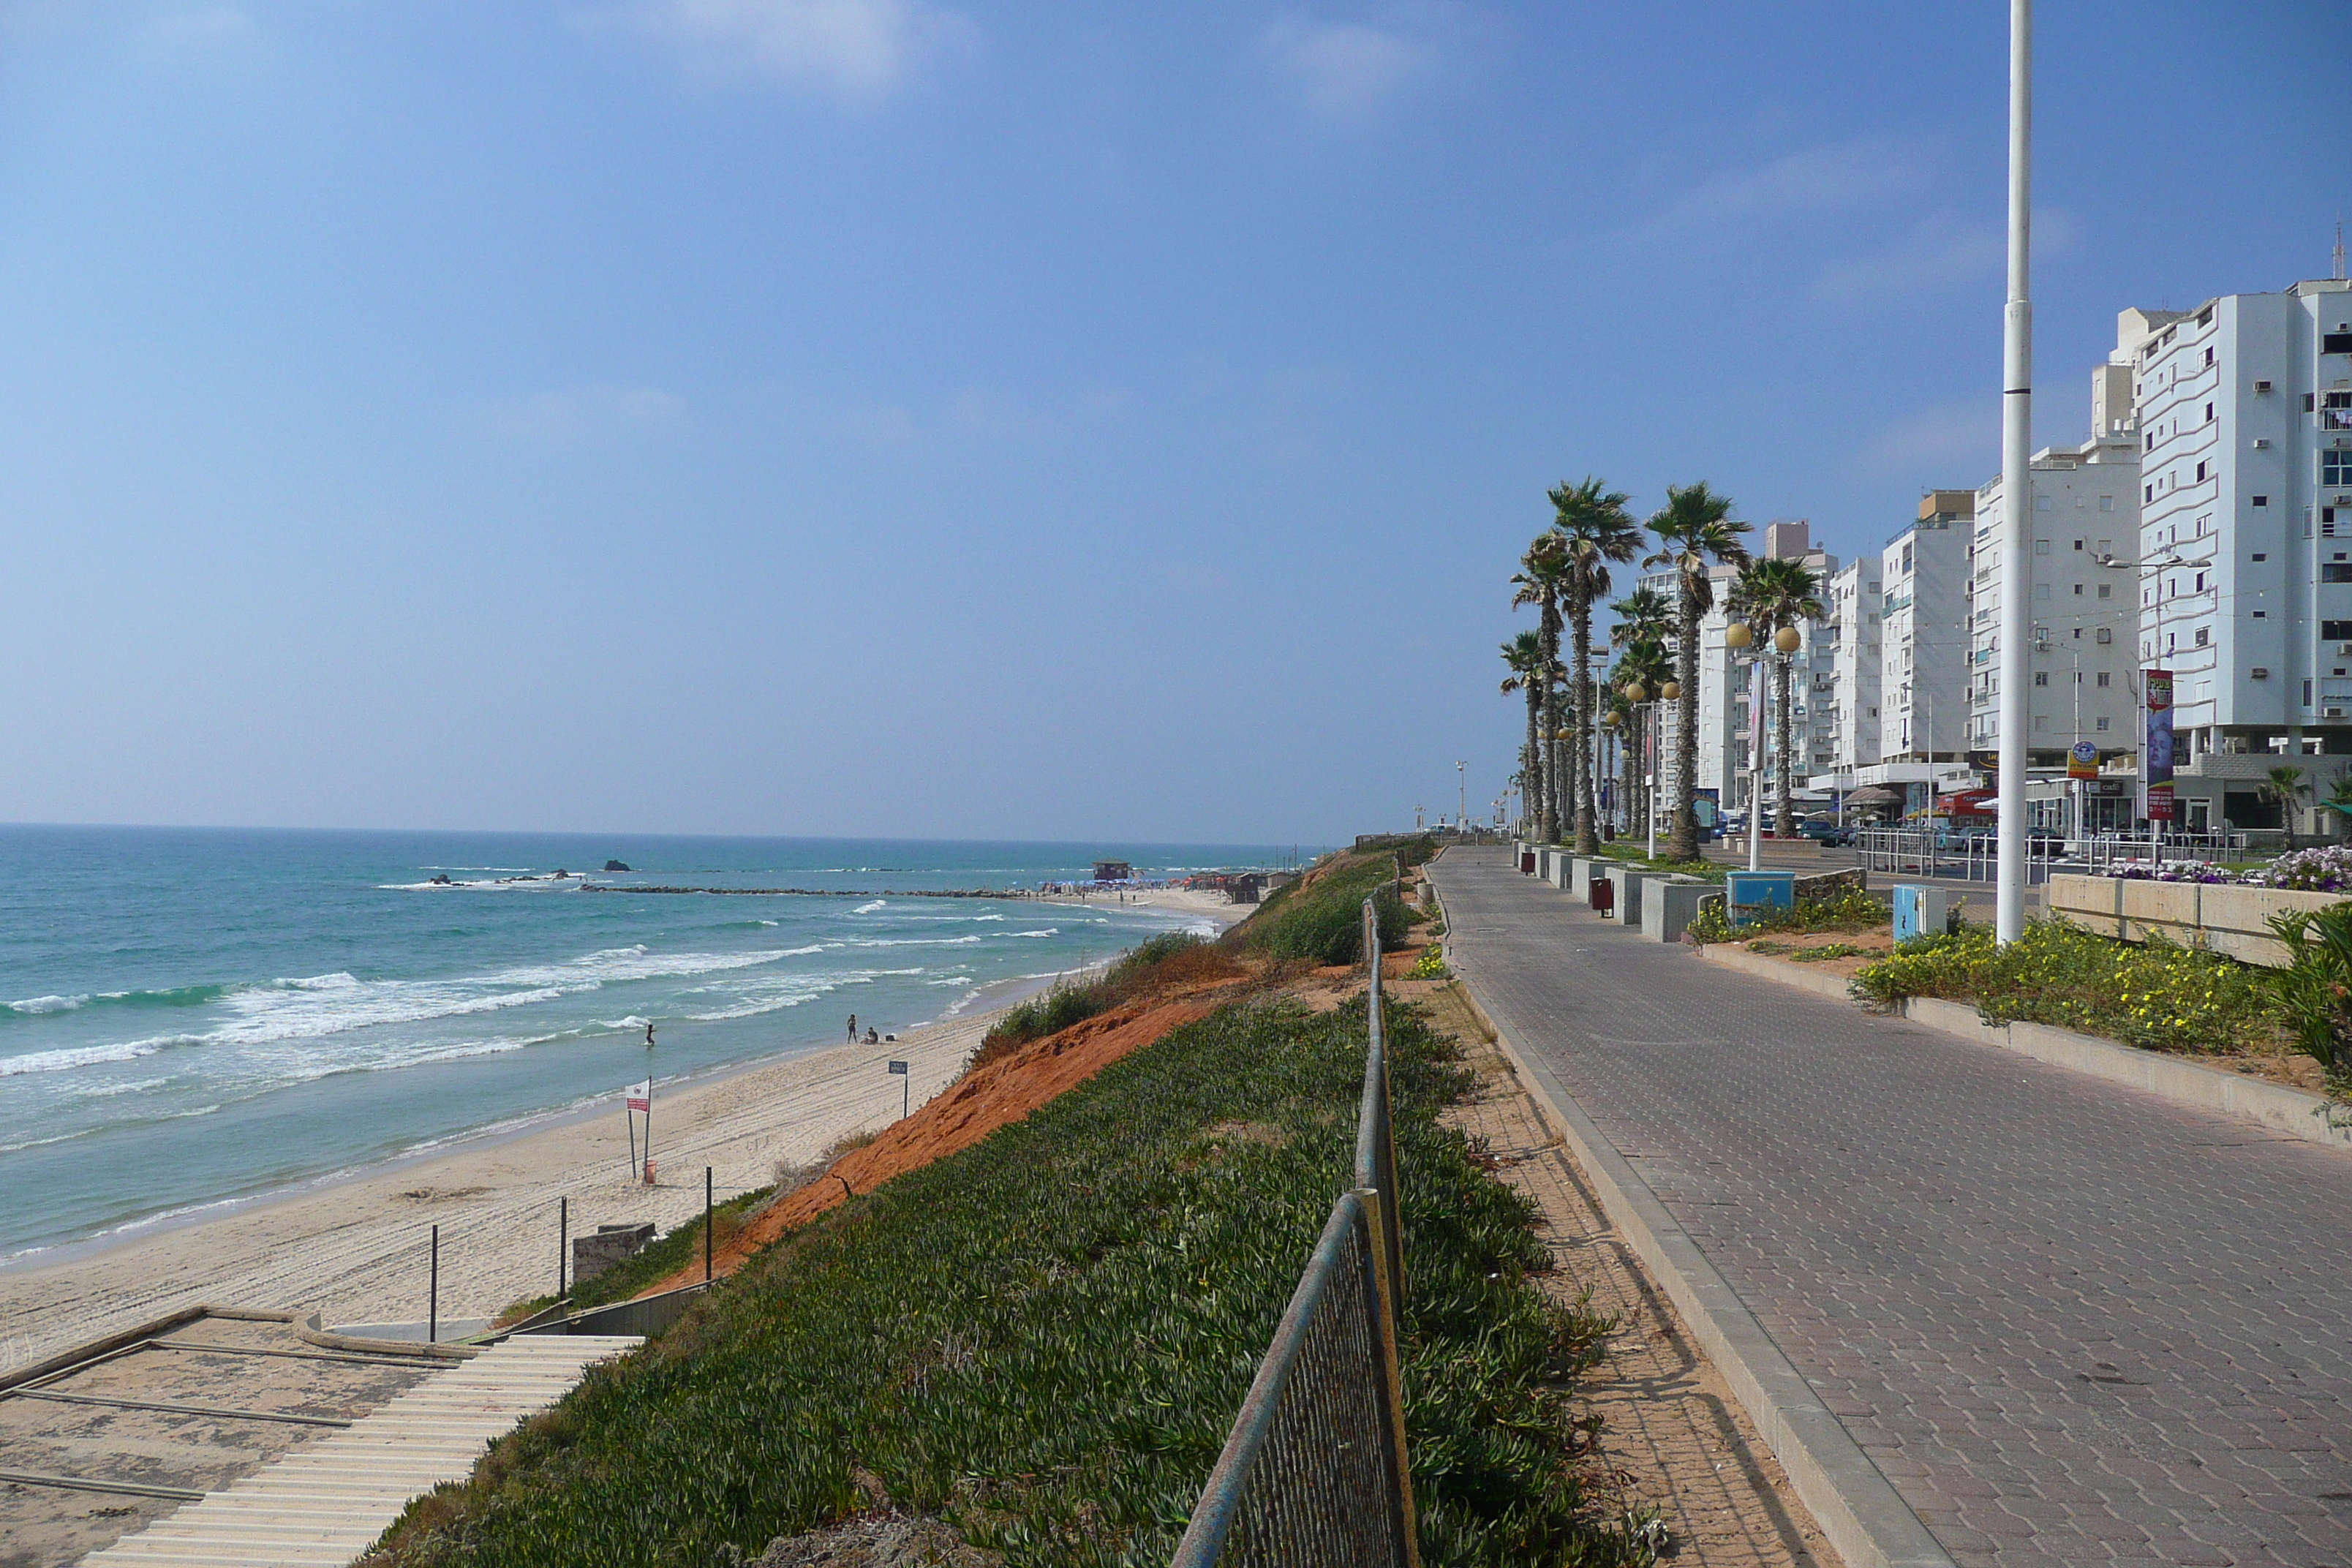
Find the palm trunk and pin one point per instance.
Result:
(1784, 820)
(1587, 843)
(1531, 763)
(1683, 844)
(1625, 787)
(1550, 632)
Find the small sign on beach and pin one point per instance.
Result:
(899, 1068)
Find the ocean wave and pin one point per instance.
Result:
(170, 996)
(69, 1058)
(915, 941)
(869, 909)
(1049, 931)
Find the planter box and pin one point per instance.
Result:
(1625, 888)
(1581, 874)
(1669, 904)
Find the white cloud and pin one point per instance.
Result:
(575, 414)
(1958, 442)
(862, 50)
(1814, 180)
(1344, 72)
(1940, 251)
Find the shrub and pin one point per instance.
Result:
(2313, 995)
(1430, 966)
(1171, 957)
(1320, 917)
(1852, 909)
(2155, 994)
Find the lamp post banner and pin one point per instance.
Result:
(2082, 761)
(2159, 726)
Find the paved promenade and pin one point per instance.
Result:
(2070, 1322)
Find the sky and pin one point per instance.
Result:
(962, 419)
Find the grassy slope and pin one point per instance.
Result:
(1045, 1337)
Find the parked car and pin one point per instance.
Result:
(1822, 830)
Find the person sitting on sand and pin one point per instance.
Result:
(872, 1038)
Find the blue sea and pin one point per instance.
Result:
(190, 1018)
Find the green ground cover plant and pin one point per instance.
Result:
(1430, 966)
(1042, 1339)
(2157, 995)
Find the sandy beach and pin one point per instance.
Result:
(356, 1250)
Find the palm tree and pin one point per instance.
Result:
(2286, 790)
(1694, 529)
(1773, 595)
(1524, 654)
(1644, 622)
(1643, 663)
(2340, 800)
(1542, 576)
(1596, 528)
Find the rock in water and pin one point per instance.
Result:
(616, 865)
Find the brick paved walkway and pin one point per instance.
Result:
(2072, 1323)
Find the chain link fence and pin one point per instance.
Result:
(1314, 1473)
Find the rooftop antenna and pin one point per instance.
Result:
(2338, 273)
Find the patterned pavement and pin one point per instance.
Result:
(2070, 1324)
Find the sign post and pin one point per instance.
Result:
(907, 1089)
(640, 1097)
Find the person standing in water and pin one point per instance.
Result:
(853, 1028)
(649, 1037)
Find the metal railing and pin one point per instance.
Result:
(1314, 1471)
(1975, 857)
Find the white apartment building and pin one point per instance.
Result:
(1922, 684)
(2086, 513)
(2245, 557)
(1849, 712)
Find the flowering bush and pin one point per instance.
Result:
(2155, 995)
(2326, 870)
(2170, 872)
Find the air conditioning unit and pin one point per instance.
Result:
(2331, 713)
(2261, 387)
(2259, 673)
(2261, 444)
(2343, 649)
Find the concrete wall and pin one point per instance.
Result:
(2231, 921)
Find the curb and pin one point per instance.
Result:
(1866, 1521)
(2296, 1112)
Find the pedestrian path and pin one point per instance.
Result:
(2069, 1322)
(323, 1505)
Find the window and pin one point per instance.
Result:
(2041, 677)
(2335, 343)
(2042, 546)
(2041, 720)
(2042, 590)
(2204, 636)
(1906, 558)
(2104, 634)
(2209, 411)
(2262, 501)
(2201, 473)
(2103, 678)
(2336, 631)
(2307, 689)
(2200, 584)
(2335, 467)
(2148, 492)
(2107, 503)
(2107, 590)
(2078, 544)
(2261, 556)
(2078, 590)
(2335, 571)
(2103, 723)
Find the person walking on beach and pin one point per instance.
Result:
(853, 1028)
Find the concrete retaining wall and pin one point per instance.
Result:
(2218, 917)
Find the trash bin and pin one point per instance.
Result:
(1602, 892)
(1748, 893)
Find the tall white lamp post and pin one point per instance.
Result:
(2016, 481)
